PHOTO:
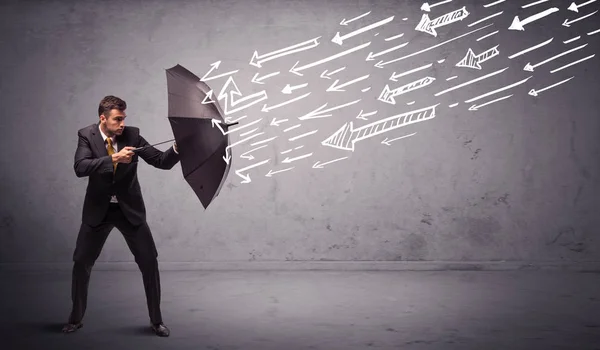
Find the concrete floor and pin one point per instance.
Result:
(310, 310)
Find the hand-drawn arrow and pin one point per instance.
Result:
(257, 80)
(568, 23)
(288, 88)
(257, 60)
(318, 113)
(319, 165)
(229, 99)
(574, 7)
(326, 75)
(387, 95)
(276, 123)
(380, 64)
(395, 76)
(347, 135)
(214, 66)
(271, 172)
(289, 160)
(247, 176)
(345, 23)
(340, 39)
(389, 142)
(428, 26)
(427, 7)
(227, 156)
(371, 56)
(476, 107)
(362, 115)
(529, 67)
(338, 88)
(267, 109)
(250, 157)
(534, 92)
(472, 61)
(326, 59)
(518, 24)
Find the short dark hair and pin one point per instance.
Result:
(111, 102)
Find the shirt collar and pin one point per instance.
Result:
(104, 137)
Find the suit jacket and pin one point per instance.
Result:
(92, 159)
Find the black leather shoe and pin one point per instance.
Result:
(72, 327)
(160, 329)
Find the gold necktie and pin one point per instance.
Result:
(111, 150)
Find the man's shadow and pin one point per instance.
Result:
(55, 327)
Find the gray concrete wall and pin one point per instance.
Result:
(516, 179)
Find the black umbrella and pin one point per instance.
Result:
(201, 145)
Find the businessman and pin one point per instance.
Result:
(114, 199)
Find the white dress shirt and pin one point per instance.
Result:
(113, 199)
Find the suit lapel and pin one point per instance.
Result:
(98, 141)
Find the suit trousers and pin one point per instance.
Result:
(90, 241)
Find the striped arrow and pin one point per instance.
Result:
(347, 135)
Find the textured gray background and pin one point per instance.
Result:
(515, 180)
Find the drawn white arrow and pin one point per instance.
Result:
(267, 109)
(517, 24)
(250, 157)
(289, 160)
(529, 67)
(476, 107)
(380, 64)
(227, 156)
(214, 66)
(347, 135)
(534, 92)
(427, 7)
(340, 39)
(338, 88)
(276, 123)
(389, 142)
(319, 113)
(247, 176)
(271, 172)
(345, 23)
(387, 95)
(362, 115)
(316, 63)
(229, 99)
(326, 75)
(574, 7)
(473, 61)
(319, 165)
(498, 90)
(428, 26)
(568, 23)
(257, 60)
(395, 76)
(257, 80)
(371, 56)
(288, 89)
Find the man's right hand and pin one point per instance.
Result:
(124, 155)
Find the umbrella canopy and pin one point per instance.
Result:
(200, 144)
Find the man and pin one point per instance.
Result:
(114, 199)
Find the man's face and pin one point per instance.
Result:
(114, 123)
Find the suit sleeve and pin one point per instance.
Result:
(85, 165)
(157, 158)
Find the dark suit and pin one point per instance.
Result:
(99, 216)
